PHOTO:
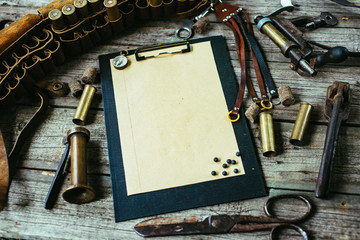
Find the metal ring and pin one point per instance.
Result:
(233, 120)
(288, 196)
(264, 106)
(288, 226)
(184, 29)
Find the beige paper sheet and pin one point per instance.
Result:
(172, 121)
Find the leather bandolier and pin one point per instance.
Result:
(31, 47)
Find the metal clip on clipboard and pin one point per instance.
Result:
(162, 46)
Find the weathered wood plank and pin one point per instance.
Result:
(339, 215)
(293, 167)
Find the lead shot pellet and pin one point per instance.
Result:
(224, 165)
(233, 161)
(238, 154)
(228, 161)
(214, 173)
(216, 159)
(224, 173)
(236, 170)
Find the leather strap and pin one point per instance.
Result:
(229, 15)
(8, 163)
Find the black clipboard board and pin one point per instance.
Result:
(250, 185)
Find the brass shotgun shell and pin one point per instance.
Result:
(81, 8)
(84, 105)
(267, 134)
(70, 14)
(57, 20)
(301, 123)
(79, 192)
(112, 9)
(95, 5)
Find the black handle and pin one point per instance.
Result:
(334, 55)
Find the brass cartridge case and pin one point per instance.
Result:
(301, 123)
(95, 5)
(82, 8)
(112, 9)
(70, 14)
(267, 134)
(84, 105)
(79, 192)
(57, 20)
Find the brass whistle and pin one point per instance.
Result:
(79, 192)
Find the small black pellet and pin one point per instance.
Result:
(224, 173)
(238, 154)
(224, 165)
(233, 162)
(228, 161)
(216, 159)
(236, 170)
(213, 173)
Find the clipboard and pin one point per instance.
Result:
(166, 123)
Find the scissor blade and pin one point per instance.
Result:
(173, 226)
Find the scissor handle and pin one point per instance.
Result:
(288, 226)
(288, 196)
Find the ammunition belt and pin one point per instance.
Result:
(32, 47)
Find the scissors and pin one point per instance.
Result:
(218, 224)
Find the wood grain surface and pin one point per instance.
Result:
(293, 170)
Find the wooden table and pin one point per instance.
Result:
(293, 170)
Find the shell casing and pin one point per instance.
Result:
(267, 134)
(95, 5)
(82, 8)
(277, 37)
(112, 9)
(79, 192)
(301, 123)
(57, 20)
(70, 14)
(84, 105)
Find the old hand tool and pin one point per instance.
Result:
(337, 109)
(286, 35)
(224, 223)
(79, 192)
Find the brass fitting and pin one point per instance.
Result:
(70, 14)
(301, 123)
(84, 105)
(267, 134)
(112, 9)
(57, 20)
(79, 192)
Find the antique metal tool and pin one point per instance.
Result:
(286, 35)
(337, 109)
(79, 192)
(225, 223)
